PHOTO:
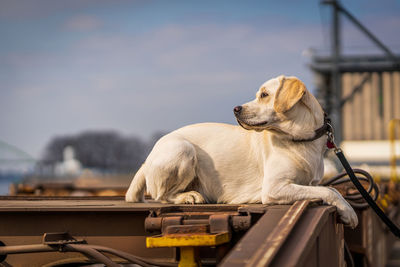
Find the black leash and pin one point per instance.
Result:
(393, 228)
(331, 144)
(356, 200)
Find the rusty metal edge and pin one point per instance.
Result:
(105, 208)
(38, 198)
(101, 204)
(266, 252)
(314, 229)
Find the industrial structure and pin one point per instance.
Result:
(361, 93)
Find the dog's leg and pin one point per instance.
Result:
(136, 189)
(171, 171)
(288, 193)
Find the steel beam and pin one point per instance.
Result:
(336, 113)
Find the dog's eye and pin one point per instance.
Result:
(263, 94)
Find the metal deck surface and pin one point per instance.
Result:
(111, 222)
(316, 239)
(106, 204)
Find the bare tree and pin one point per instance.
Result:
(105, 150)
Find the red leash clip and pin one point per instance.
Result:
(329, 144)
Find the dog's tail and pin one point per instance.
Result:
(137, 187)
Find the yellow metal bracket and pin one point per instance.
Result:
(393, 157)
(187, 240)
(187, 244)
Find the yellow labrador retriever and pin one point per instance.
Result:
(264, 161)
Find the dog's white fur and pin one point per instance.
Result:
(255, 163)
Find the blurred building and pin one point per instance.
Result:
(361, 94)
(368, 100)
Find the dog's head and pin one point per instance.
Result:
(282, 103)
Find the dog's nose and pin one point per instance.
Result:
(237, 109)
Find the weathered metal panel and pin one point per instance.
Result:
(312, 259)
(371, 242)
(316, 239)
(242, 252)
(367, 114)
(267, 250)
(301, 246)
(104, 221)
(306, 234)
(119, 230)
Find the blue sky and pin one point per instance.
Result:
(138, 67)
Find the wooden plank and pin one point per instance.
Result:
(377, 120)
(347, 113)
(357, 110)
(396, 98)
(387, 102)
(367, 111)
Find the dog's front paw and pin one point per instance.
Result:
(348, 216)
(129, 197)
(346, 213)
(191, 197)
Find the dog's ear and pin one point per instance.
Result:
(291, 90)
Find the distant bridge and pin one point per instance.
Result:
(12, 154)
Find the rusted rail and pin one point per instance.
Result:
(266, 252)
(313, 231)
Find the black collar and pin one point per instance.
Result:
(324, 129)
